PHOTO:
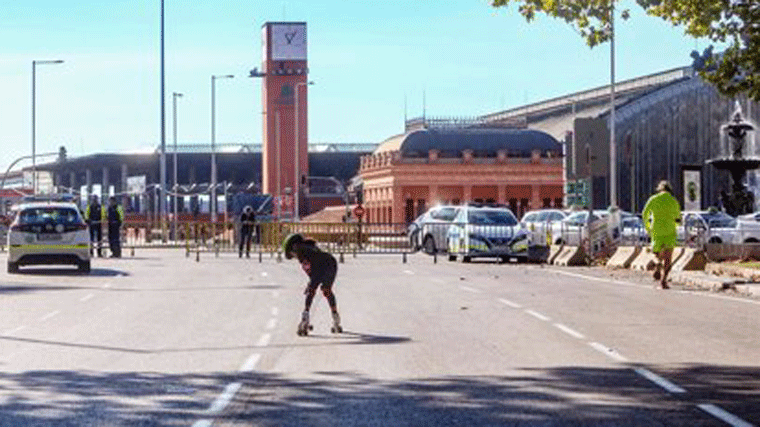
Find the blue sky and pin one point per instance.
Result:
(364, 56)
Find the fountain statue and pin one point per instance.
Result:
(738, 154)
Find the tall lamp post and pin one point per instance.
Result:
(213, 142)
(34, 117)
(613, 147)
(297, 186)
(175, 95)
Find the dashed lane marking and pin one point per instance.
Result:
(409, 272)
(275, 311)
(573, 333)
(86, 297)
(13, 331)
(264, 340)
(271, 324)
(224, 399)
(724, 415)
(509, 303)
(537, 315)
(469, 289)
(612, 354)
(50, 315)
(660, 381)
(251, 363)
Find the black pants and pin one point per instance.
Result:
(96, 237)
(114, 239)
(246, 236)
(323, 279)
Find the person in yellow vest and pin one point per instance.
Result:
(95, 215)
(115, 217)
(660, 215)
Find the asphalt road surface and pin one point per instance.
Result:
(162, 340)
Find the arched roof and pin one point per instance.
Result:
(486, 142)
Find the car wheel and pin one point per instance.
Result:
(428, 245)
(466, 259)
(452, 257)
(12, 267)
(559, 242)
(84, 266)
(715, 239)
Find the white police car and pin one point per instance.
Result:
(486, 231)
(48, 232)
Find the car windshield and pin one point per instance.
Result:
(446, 214)
(48, 215)
(492, 217)
(719, 219)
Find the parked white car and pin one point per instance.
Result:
(482, 231)
(428, 231)
(48, 233)
(717, 227)
(539, 222)
(571, 230)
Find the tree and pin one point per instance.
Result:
(733, 22)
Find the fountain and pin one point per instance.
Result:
(738, 154)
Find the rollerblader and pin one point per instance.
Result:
(321, 268)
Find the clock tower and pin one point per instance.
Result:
(284, 96)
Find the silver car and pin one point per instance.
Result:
(428, 231)
(48, 233)
(539, 222)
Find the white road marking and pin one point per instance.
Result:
(409, 272)
(106, 286)
(275, 311)
(13, 331)
(612, 354)
(271, 324)
(275, 294)
(469, 289)
(723, 415)
(437, 280)
(264, 340)
(251, 363)
(599, 279)
(264, 274)
(202, 423)
(509, 303)
(50, 315)
(660, 381)
(224, 399)
(537, 315)
(86, 297)
(573, 333)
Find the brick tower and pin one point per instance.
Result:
(284, 83)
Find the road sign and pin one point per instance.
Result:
(359, 211)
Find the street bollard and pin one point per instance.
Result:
(279, 256)
(341, 258)
(133, 251)
(435, 258)
(216, 249)
(403, 257)
(198, 254)
(260, 256)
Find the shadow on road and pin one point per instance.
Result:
(563, 396)
(95, 272)
(15, 288)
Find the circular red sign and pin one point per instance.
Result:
(359, 211)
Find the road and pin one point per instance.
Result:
(162, 340)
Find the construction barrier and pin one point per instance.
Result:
(572, 256)
(623, 257)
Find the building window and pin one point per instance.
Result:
(420, 207)
(513, 206)
(547, 202)
(456, 202)
(558, 202)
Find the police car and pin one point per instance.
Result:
(48, 232)
(487, 231)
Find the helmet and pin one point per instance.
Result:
(289, 241)
(248, 209)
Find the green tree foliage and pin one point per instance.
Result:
(735, 23)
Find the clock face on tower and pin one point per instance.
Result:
(288, 42)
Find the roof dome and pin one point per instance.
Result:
(484, 142)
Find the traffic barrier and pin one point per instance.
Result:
(646, 260)
(691, 259)
(571, 256)
(623, 257)
(554, 250)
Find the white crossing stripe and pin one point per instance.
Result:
(660, 381)
(724, 416)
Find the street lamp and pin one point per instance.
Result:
(213, 142)
(297, 186)
(34, 117)
(175, 95)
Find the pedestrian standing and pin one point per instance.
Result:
(115, 216)
(660, 215)
(247, 224)
(95, 215)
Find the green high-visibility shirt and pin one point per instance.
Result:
(660, 214)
